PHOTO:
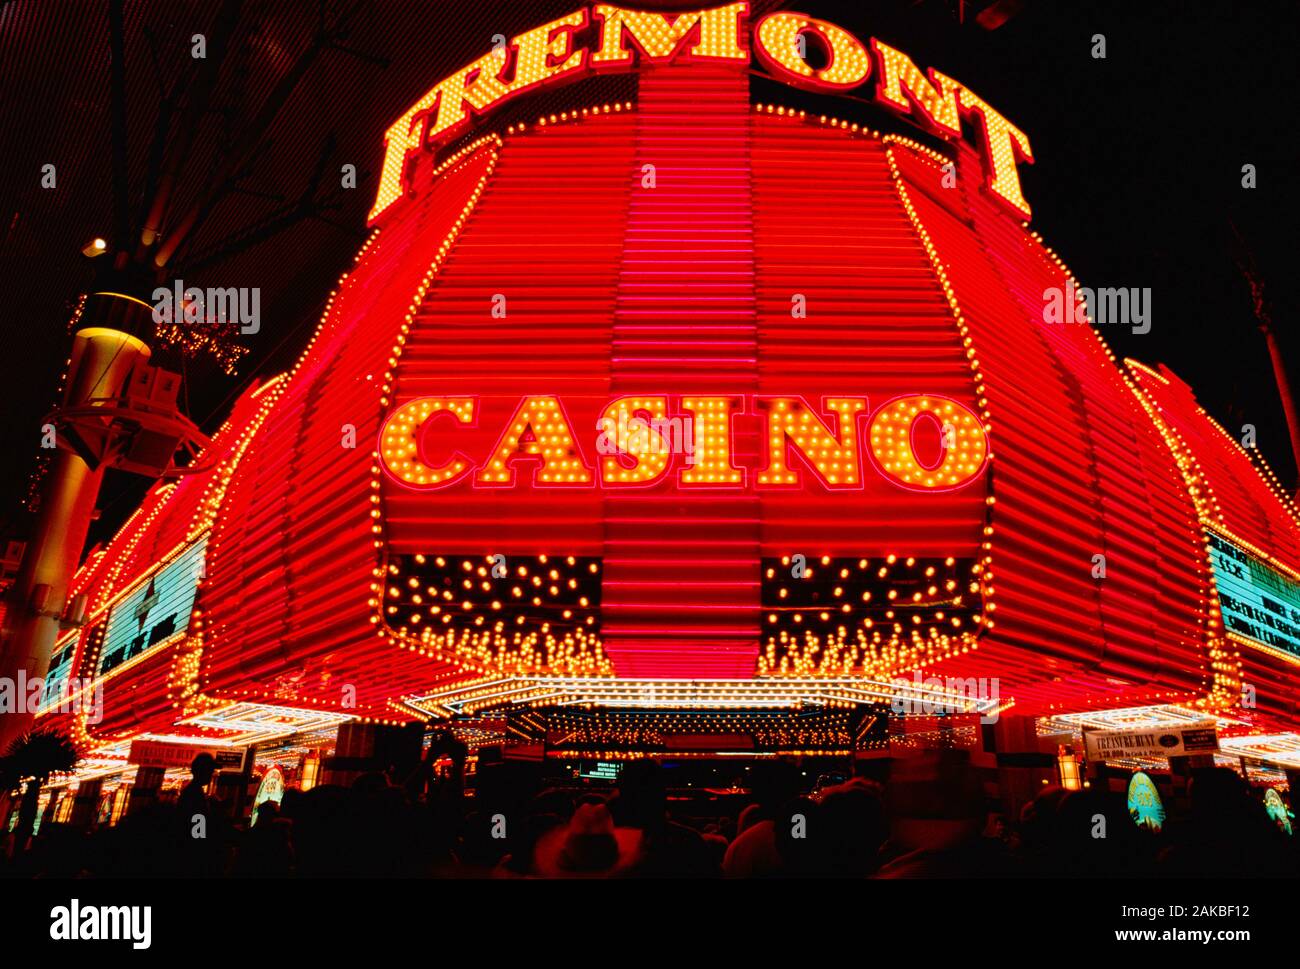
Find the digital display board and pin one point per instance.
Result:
(1259, 601)
(601, 770)
(157, 609)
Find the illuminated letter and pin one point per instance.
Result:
(712, 437)
(400, 141)
(1004, 145)
(836, 463)
(399, 447)
(632, 435)
(962, 447)
(660, 40)
(899, 78)
(479, 86)
(538, 428)
(778, 48)
(547, 51)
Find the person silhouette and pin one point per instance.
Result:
(200, 829)
(194, 798)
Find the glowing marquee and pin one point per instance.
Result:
(922, 442)
(156, 611)
(1259, 601)
(619, 40)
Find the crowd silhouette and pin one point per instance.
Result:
(931, 818)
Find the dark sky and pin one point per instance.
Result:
(1136, 183)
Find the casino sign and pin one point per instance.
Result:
(640, 438)
(679, 396)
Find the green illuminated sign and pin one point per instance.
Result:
(1259, 601)
(156, 610)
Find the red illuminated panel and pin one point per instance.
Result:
(1153, 600)
(681, 591)
(293, 556)
(1240, 499)
(1235, 496)
(546, 238)
(1079, 471)
(143, 695)
(877, 325)
(1274, 684)
(565, 281)
(171, 513)
(138, 699)
(695, 327)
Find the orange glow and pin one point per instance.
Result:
(660, 39)
(712, 465)
(963, 445)
(399, 446)
(777, 36)
(1004, 146)
(900, 80)
(538, 429)
(790, 421)
(631, 426)
(478, 86)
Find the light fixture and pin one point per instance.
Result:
(311, 763)
(1067, 762)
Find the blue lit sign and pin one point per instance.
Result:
(1259, 601)
(156, 610)
(60, 664)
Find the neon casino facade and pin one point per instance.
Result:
(692, 403)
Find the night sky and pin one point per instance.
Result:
(1137, 180)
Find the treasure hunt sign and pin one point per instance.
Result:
(154, 753)
(605, 38)
(1169, 741)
